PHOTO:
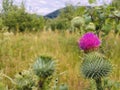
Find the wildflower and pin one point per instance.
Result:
(89, 41)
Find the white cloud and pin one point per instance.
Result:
(42, 2)
(57, 5)
(43, 7)
(44, 11)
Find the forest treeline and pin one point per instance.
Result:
(105, 18)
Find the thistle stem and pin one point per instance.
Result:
(41, 84)
(99, 84)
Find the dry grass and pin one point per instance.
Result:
(18, 51)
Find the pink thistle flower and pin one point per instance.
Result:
(89, 41)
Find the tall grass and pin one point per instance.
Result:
(18, 52)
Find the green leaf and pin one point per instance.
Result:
(118, 27)
(106, 28)
(90, 26)
(117, 13)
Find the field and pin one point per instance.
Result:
(18, 52)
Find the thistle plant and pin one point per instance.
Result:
(95, 65)
(25, 80)
(44, 67)
(91, 26)
(89, 42)
(77, 23)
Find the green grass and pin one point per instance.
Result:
(18, 52)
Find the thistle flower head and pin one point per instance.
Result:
(89, 41)
(95, 66)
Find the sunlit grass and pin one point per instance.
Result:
(18, 52)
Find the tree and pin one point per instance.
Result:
(1, 23)
(16, 18)
(7, 4)
(67, 12)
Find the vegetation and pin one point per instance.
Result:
(15, 18)
(22, 49)
(38, 53)
(103, 18)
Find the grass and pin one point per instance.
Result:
(18, 52)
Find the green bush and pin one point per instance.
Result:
(16, 18)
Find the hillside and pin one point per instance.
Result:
(53, 14)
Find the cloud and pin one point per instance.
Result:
(42, 2)
(43, 7)
(44, 11)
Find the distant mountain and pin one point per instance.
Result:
(53, 14)
(56, 13)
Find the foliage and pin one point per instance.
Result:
(67, 12)
(29, 79)
(18, 52)
(97, 18)
(16, 18)
(1, 23)
(116, 3)
(44, 67)
(25, 80)
(59, 24)
(91, 26)
(62, 22)
(77, 22)
(111, 84)
(95, 65)
(108, 84)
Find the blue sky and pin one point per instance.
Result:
(43, 7)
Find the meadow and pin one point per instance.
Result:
(19, 51)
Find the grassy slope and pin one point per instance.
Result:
(17, 52)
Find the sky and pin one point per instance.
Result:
(43, 7)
